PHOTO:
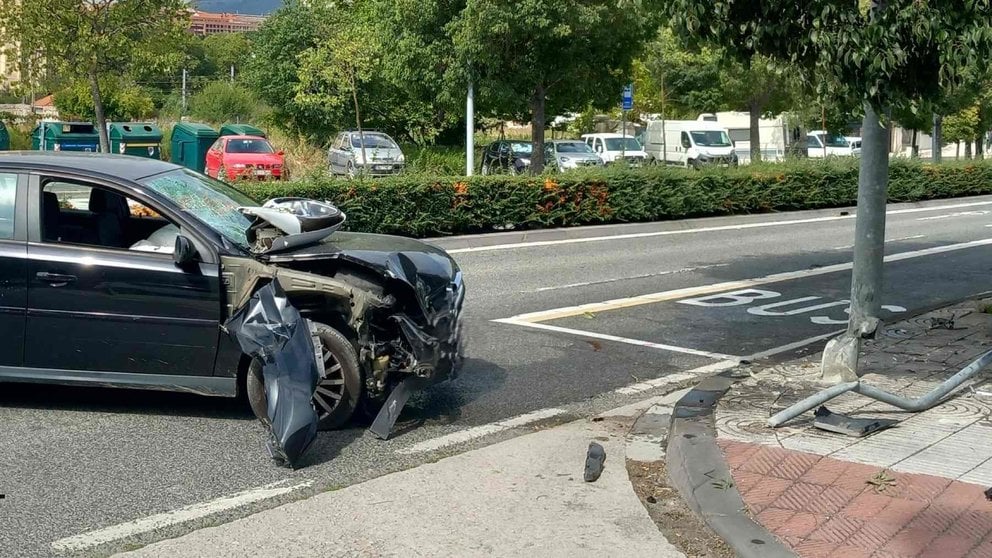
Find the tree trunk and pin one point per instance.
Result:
(537, 130)
(101, 116)
(754, 134)
(358, 124)
(914, 148)
(967, 150)
(937, 143)
(980, 146)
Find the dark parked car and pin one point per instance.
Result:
(119, 271)
(506, 156)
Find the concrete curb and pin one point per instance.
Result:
(697, 469)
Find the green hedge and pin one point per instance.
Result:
(418, 205)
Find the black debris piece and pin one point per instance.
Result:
(272, 330)
(843, 424)
(595, 458)
(988, 494)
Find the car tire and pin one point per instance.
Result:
(339, 390)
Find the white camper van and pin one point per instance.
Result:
(772, 132)
(689, 143)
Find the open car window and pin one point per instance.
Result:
(88, 215)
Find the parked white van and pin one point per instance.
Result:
(823, 144)
(689, 143)
(611, 147)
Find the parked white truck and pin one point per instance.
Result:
(689, 143)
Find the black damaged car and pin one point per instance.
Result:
(119, 271)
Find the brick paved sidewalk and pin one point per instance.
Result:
(914, 490)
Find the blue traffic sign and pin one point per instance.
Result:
(628, 97)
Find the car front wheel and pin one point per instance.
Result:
(339, 388)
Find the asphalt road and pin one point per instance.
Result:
(77, 465)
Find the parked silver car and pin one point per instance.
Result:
(563, 155)
(346, 154)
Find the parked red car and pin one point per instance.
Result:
(245, 157)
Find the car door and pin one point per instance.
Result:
(13, 266)
(814, 148)
(95, 304)
(332, 155)
(214, 157)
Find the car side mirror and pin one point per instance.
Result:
(185, 253)
(281, 153)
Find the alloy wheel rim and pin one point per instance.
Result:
(330, 386)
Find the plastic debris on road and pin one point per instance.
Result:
(272, 330)
(843, 424)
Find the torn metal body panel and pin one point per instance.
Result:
(269, 328)
(397, 299)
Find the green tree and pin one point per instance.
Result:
(122, 101)
(223, 101)
(676, 82)
(91, 39)
(272, 68)
(758, 87)
(883, 53)
(546, 57)
(333, 74)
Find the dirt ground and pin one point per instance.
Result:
(674, 518)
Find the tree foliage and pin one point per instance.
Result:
(531, 59)
(222, 101)
(91, 39)
(122, 101)
(904, 51)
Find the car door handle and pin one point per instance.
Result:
(55, 279)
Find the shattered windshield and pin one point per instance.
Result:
(212, 202)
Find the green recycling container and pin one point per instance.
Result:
(190, 143)
(65, 136)
(140, 139)
(241, 130)
(4, 138)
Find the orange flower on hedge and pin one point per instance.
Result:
(461, 188)
(550, 184)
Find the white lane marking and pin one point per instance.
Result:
(914, 237)
(606, 337)
(618, 279)
(479, 431)
(676, 378)
(174, 517)
(792, 346)
(511, 246)
(676, 294)
(950, 215)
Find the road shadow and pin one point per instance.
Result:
(122, 401)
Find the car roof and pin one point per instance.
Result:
(244, 137)
(564, 141)
(606, 135)
(123, 166)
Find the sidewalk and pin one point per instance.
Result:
(522, 497)
(914, 490)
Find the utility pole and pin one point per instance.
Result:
(184, 91)
(840, 357)
(470, 130)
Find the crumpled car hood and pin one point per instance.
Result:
(430, 271)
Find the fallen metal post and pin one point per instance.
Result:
(815, 400)
(913, 405)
